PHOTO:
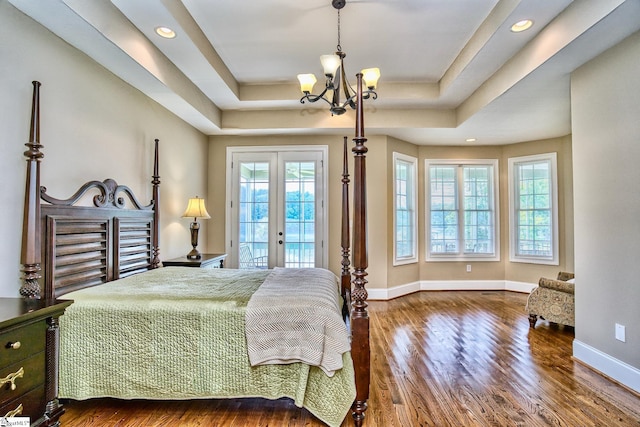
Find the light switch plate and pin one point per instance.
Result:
(620, 332)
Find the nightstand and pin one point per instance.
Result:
(28, 359)
(207, 261)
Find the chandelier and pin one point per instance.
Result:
(335, 79)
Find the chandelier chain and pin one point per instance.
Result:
(338, 46)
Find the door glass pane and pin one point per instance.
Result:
(253, 221)
(300, 203)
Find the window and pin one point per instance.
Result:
(533, 212)
(405, 214)
(462, 210)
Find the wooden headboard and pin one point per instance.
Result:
(81, 246)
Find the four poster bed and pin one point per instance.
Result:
(136, 330)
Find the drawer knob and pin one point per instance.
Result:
(11, 378)
(17, 411)
(14, 345)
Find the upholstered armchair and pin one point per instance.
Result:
(553, 300)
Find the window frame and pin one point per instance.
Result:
(412, 196)
(554, 259)
(495, 193)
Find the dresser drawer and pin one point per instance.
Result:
(32, 376)
(33, 404)
(31, 339)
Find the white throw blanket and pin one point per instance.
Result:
(295, 317)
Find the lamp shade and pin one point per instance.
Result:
(370, 77)
(196, 209)
(330, 64)
(306, 82)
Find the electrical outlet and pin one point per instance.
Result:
(620, 332)
(468, 268)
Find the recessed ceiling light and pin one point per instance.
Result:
(471, 140)
(519, 26)
(165, 32)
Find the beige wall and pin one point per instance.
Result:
(93, 126)
(606, 150)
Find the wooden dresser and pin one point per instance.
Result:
(29, 359)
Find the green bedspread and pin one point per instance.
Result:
(178, 333)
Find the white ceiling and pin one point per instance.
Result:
(451, 69)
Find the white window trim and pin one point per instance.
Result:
(513, 257)
(496, 209)
(414, 195)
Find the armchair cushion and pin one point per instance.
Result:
(558, 285)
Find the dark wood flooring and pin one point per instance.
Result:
(438, 359)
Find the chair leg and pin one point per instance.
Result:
(532, 320)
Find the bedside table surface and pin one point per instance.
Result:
(16, 310)
(184, 261)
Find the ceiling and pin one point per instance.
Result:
(451, 69)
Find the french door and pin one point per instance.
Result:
(277, 211)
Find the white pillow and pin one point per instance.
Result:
(571, 280)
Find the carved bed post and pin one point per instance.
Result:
(360, 350)
(155, 261)
(54, 409)
(31, 256)
(345, 243)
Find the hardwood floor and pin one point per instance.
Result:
(438, 359)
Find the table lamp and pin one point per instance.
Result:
(195, 210)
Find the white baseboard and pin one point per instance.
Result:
(384, 294)
(462, 285)
(519, 286)
(610, 366)
(449, 285)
